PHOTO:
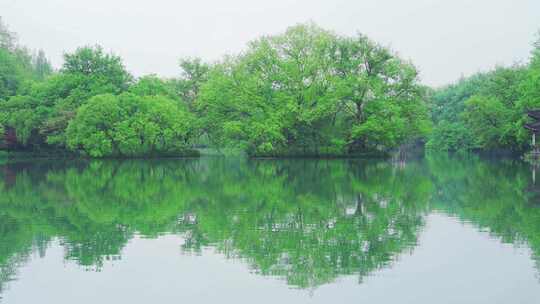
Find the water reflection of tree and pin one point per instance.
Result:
(17, 241)
(305, 221)
(493, 195)
(308, 221)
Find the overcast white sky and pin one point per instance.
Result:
(444, 38)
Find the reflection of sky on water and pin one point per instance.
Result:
(301, 231)
(476, 268)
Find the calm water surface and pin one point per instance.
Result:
(436, 230)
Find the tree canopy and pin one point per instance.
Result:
(305, 92)
(130, 125)
(487, 110)
(312, 91)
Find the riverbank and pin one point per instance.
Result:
(63, 154)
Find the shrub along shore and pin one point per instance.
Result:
(307, 92)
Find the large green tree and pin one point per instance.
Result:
(131, 125)
(87, 72)
(380, 95)
(310, 91)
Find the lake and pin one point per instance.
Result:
(434, 230)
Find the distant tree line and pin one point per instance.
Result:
(487, 110)
(306, 92)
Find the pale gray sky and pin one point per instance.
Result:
(444, 38)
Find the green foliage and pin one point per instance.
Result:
(24, 114)
(45, 108)
(130, 125)
(18, 67)
(489, 120)
(488, 110)
(447, 105)
(7, 38)
(41, 65)
(97, 66)
(379, 94)
(530, 88)
(485, 111)
(311, 90)
(194, 75)
(10, 74)
(306, 92)
(152, 85)
(450, 136)
(86, 73)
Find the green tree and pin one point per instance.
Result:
(11, 76)
(152, 85)
(447, 107)
(480, 112)
(95, 64)
(24, 114)
(8, 40)
(379, 94)
(450, 136)
(489, 121)
(308, 91)
(194, 75)
(130, 125)
(86, 73)
(530, 88)
(42, 65)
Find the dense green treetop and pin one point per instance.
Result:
(485, 111)
(152, 85)
(311, 90)
(194, 75)
(131, 125)
(94, 63)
